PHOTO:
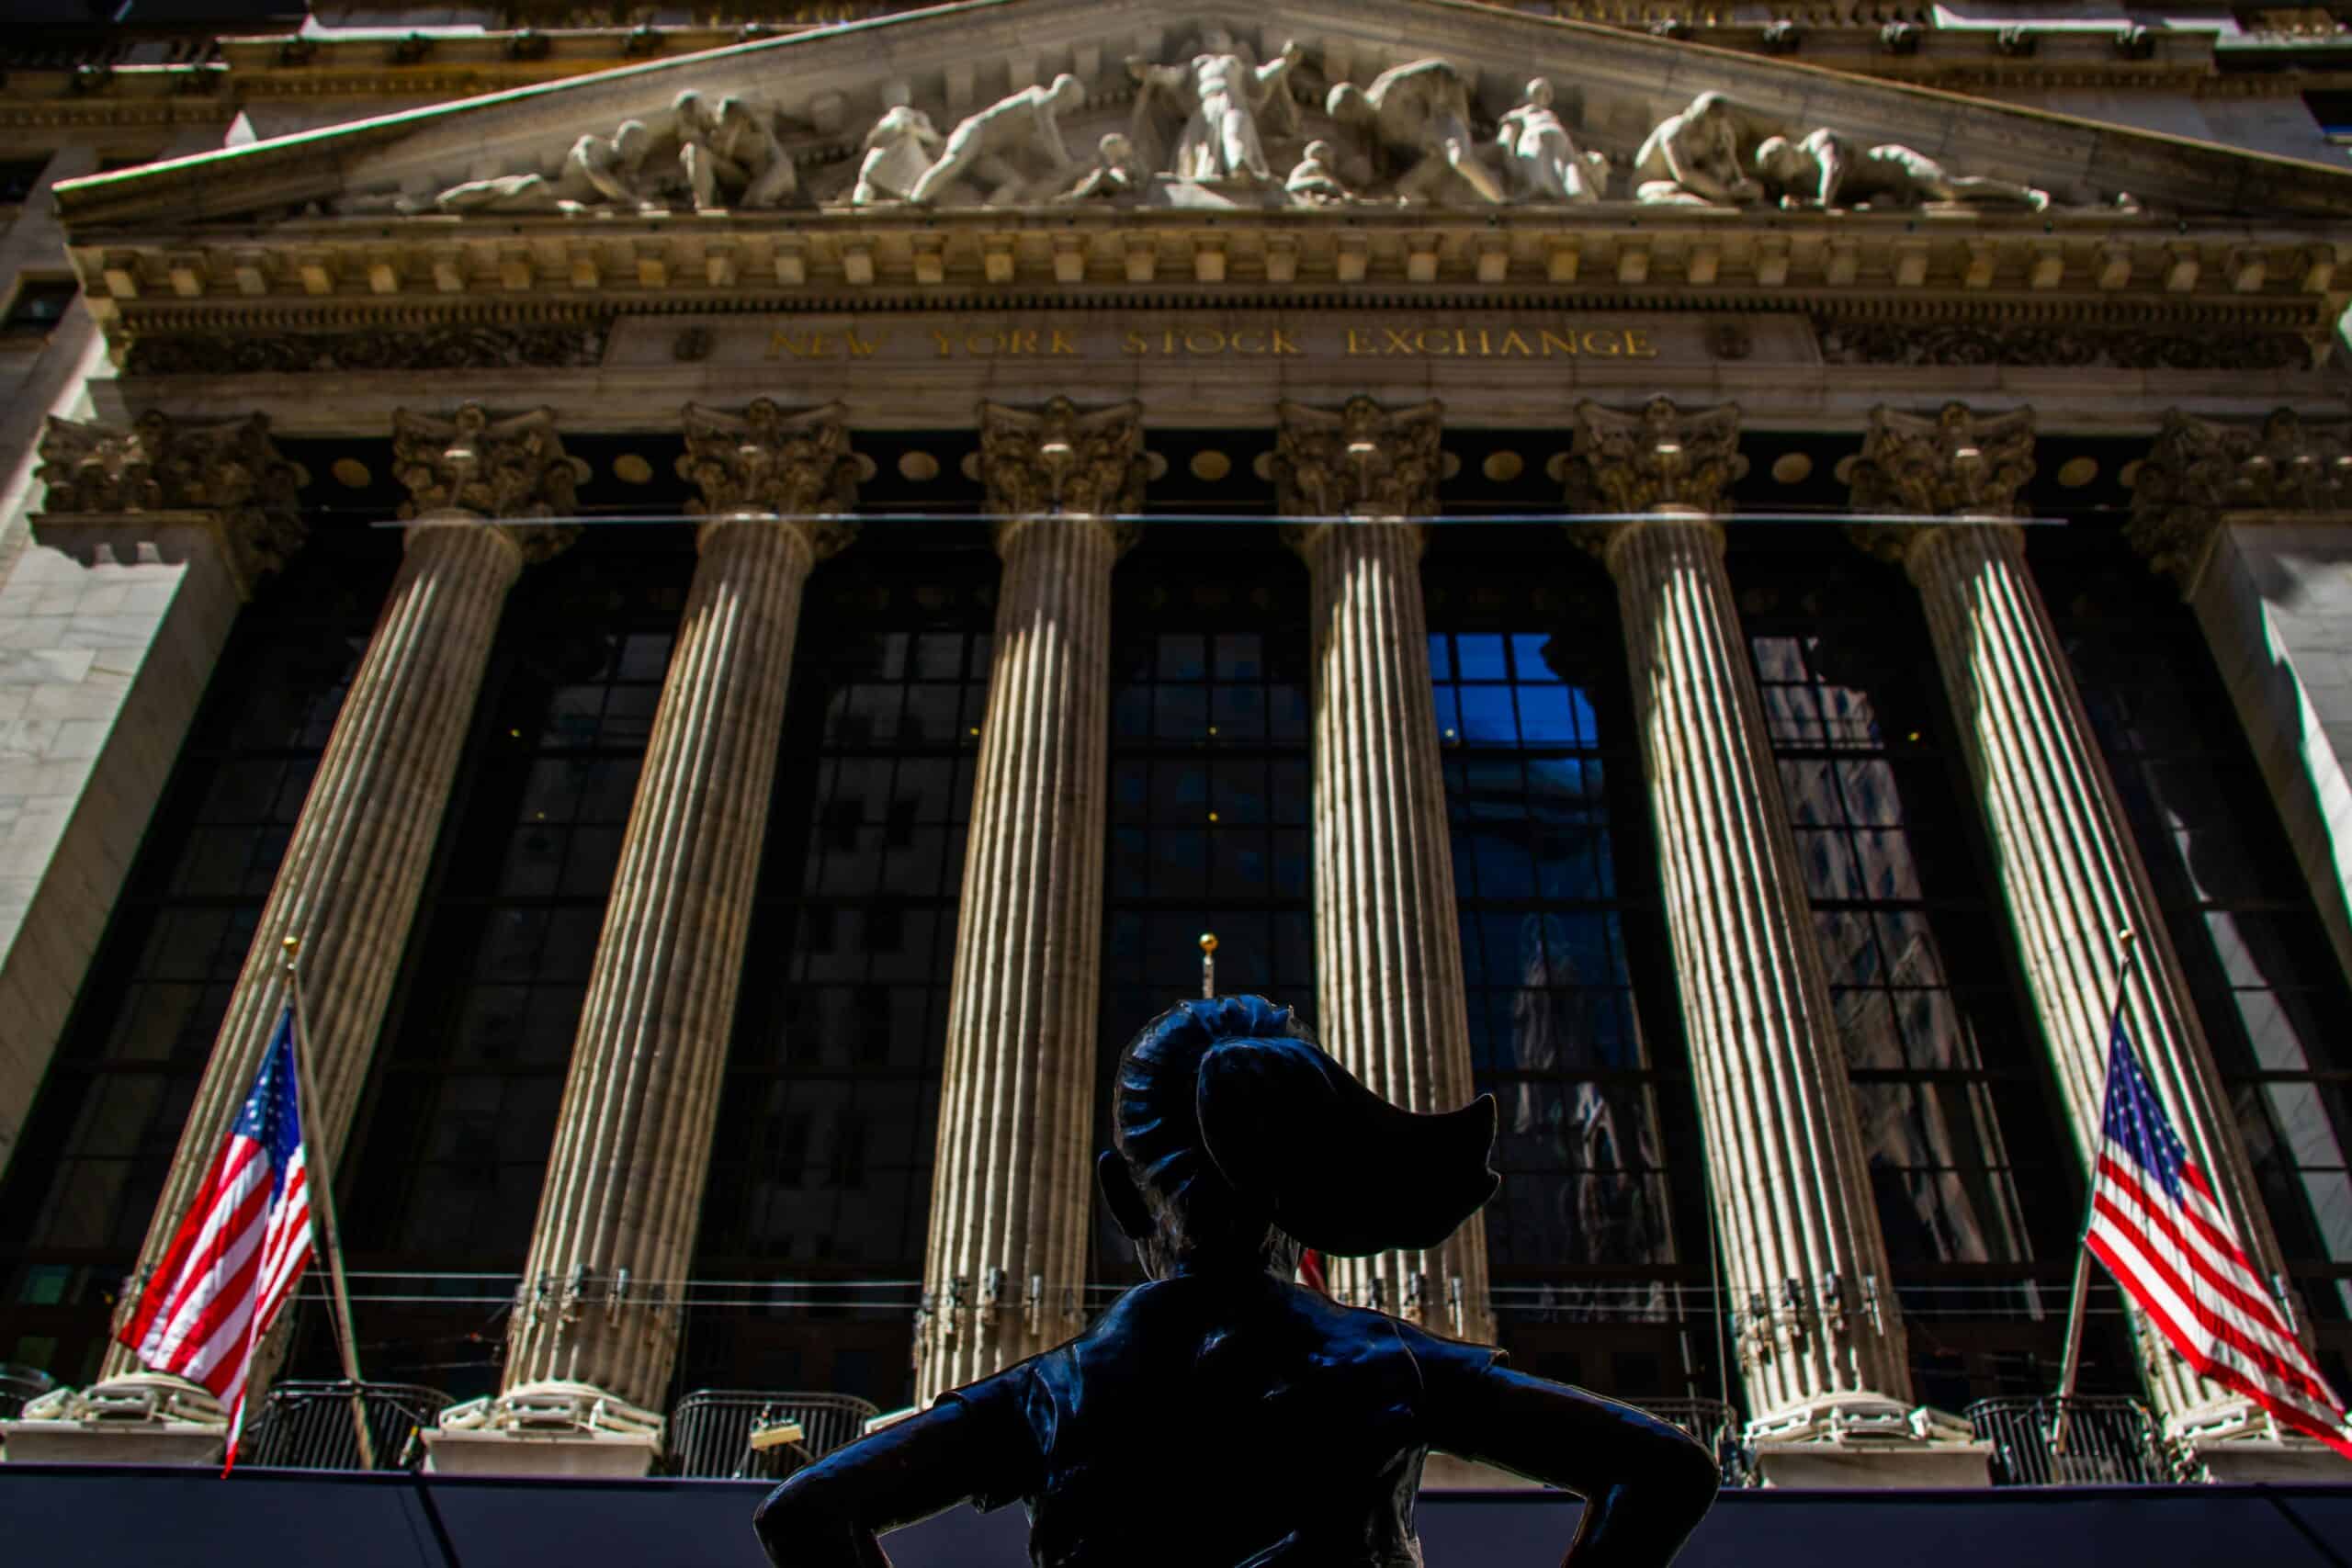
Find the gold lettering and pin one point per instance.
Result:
(1444, 341)
(1284, 345)
(1514, 344)
(1168, 341)
(1022, 343)
(1204, 341)
(983, 343)
(1357, 345)
(1638, 344)
(1483, 349)
(1248, 342)
(947, 345)
(1135, 342)
(1607, 344)
(776, 342)
(858, 347)
(1062, 343)
(1551, 340)
(1398, 342)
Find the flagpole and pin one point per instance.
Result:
(2072, 1362)
(322, 1181)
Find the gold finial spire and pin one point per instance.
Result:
(1208, 965)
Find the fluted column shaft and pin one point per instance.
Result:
(2073, 876)
(1390, 1002)
(1803, 1254)
(1012, 1195)
(625, 1180)
(354, 867)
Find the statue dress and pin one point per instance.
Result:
(1221, 1415)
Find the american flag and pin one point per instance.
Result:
(2156, 1227)
(239, 1252)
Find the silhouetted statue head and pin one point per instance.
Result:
(1239, 1141)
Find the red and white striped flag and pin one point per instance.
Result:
(2156, 1227)
(239, 1252)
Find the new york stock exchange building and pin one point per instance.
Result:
(737, 603)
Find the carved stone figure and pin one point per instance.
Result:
(731, 156)
(1223, 1412)
(1542, 158)
(898, 151)
(1218, 94)
(989, 142)
(1117, 172)
(1419, 114)
(597, 170)
(1826, 170)
(1316, 180)
(1692, 158)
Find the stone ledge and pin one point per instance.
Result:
(617, 1456)
(112, 1442)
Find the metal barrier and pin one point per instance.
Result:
(307, 1426)
(2106, 1439)
(19, 1386)
(1715, 1424)
(738, 1434)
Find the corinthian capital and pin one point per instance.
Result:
(1363, 461)
(2203, 471)
(118, 485)
(1954, 465)
(1661, 459)
(508, 470)
(1059, 460)
(763, 460)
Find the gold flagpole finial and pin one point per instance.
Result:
(1208, 965)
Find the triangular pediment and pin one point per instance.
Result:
(885, 98)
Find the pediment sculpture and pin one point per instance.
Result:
(1214, 126)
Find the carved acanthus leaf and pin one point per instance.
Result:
(2202, 470)
(229, 469)
(1059, 460)
(1660, 456)
(766, 462)
(1956, 464)
(511, 469)
(1361, 462)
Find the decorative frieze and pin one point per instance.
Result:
(110, 485)
(1061, 460)
(1934, 344)
(509, 470)
(565, 345)
(2202, 470)
(1361, 461)
(1660, 457)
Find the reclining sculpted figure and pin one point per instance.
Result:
(1221, 1415)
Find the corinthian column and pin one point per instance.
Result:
(2071, 873)
(1389, 999)
(596, 1326)
(348, 885)
(1820, 1336)
(1009, 1197)
(2254, 522)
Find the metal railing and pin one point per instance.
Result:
(19, 1386)
(1715, 1424)
(740, 1434)
(2105, 1439)
(307, 1426)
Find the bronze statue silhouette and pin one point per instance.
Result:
(1221, 1416)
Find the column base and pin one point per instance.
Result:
(2237, 1443)
(1866, 1441)
(141, 1418)
(545, 1428)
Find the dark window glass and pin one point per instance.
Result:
(1596, 1245)
(821, 1168)
(19, 176)
(1209, 787)
(2269, 987)
(461, 1106)
(98, 1144)
(1951, 1085)
(39, 304)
